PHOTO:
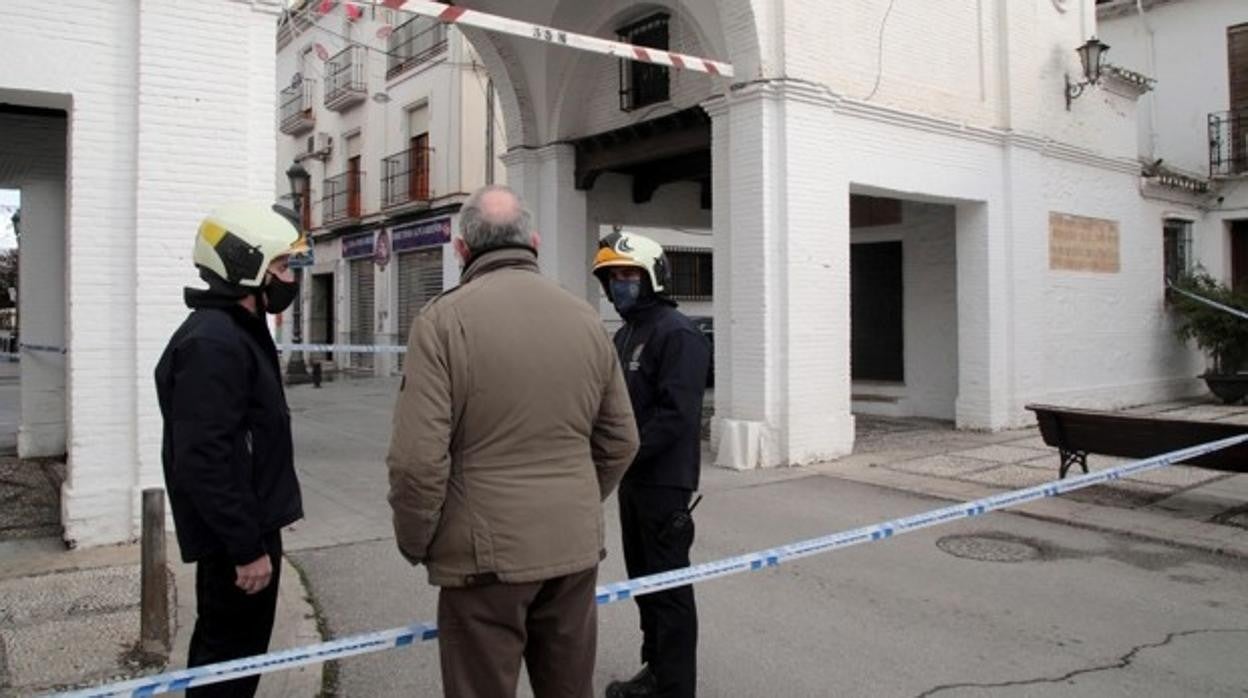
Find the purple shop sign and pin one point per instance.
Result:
(357, 246)
(414, 236)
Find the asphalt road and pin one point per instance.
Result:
(1003, 606)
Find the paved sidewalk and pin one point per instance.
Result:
(1177, 504)
(71, 617)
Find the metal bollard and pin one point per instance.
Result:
(154, 609)
(316, 374)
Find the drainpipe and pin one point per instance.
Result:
(1153, 139)
(489, 131)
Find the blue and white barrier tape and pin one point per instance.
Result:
(1220, 306)
(46, 348)
(610, 593)
(345, 348)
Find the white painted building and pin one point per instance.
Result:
(1007, 248)
(122, 124)
(1005, 253)
(1193, 128)
(391, 116)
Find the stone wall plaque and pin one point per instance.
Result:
(1077, 243)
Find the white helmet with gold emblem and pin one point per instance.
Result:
(237, 242)
(625, 249)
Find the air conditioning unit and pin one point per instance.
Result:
(319, 146)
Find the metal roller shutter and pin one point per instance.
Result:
(420, 279)
(362, 310)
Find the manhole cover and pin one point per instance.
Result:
(989, 548)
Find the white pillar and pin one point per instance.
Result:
(41, 312)
(544, 178)
(781, 280)
(984, 393)
(146, 167)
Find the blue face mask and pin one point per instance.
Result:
(625, 294)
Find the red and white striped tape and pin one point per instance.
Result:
(449, 14)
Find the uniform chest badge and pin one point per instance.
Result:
(635, 362)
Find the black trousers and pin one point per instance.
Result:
(229, 623)
(669, 619)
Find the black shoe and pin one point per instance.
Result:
(642, 685)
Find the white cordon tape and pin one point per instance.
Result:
(346, 348)
(450, 14)
(1220, 306)
(46, 348)
(610, 593)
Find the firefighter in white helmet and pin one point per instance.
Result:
(666, 361)
(227, 451)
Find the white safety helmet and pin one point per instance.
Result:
(625, 249)
(237, 242)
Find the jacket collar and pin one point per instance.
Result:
(648, 312)
(517, 257)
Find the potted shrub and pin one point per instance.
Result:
(1221, 335)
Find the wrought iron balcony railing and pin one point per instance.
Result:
(296, 108)
(342, 197)
(405, 177)
(1228, 143)
(414, 42)
(346, 81)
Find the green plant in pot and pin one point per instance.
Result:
(1221, 335)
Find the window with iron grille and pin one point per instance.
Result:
(1178, 248)
(414, 42)
(691, 274)
(642, 84)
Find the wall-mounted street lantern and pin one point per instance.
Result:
(296, 370)
(1092, 57)
(299, 178)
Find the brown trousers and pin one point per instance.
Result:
(484, 631)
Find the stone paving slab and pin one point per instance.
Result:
(84, 647)
(998, 453)
(30, 500)
(1009, 476)
(940, 465)
(34, 599)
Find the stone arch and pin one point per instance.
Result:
(515, 98)
(600, 20)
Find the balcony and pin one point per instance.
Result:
(405, 177)
(346, 81)
(297, 116)
(1228, 143)
(414, 42)
(341, 201)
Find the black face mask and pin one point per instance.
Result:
(278, 295)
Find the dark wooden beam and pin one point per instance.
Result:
(630, 147)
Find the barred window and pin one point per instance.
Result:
(1178, 248)
(691, 274)
(642, 84)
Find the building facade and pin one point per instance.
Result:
(909, 215)
(122, 124)
(1193, 127)
(391, 116)
(911, 212)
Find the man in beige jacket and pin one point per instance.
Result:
(513, 423)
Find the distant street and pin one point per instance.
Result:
(1001, 606)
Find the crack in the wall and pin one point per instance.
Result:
(1121, 663)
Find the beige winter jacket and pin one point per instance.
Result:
(513, 423)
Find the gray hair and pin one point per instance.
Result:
(484, 229)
